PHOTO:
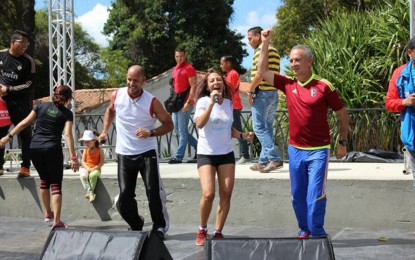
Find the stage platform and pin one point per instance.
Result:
(366, 201)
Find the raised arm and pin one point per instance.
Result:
(263, 70)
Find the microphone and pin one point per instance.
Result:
(216, 98)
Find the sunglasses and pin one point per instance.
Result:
(22, 42)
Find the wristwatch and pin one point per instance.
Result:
(249, 93)
(152, 132)
(343, 142)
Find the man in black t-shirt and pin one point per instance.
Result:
(17, 70)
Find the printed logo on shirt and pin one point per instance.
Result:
(19, 67)
(294, 91)
(9, 74)
(313, 92)
(52, 112)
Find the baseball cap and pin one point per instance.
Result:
(88, 136)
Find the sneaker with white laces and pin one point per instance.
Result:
(304, 234)
(201, 237)
(49, 216)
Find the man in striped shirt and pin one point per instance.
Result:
(263, 98)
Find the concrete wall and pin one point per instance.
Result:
(256, 202)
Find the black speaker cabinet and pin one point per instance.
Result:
(269, 249)
(77, 244)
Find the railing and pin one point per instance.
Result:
(369, 129)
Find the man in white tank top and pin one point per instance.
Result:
(136, 112)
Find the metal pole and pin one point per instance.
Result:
(72, 67)
(412, 18)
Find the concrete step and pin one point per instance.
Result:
(360, 195)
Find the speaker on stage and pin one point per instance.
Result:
(269, 248)
(78, 244)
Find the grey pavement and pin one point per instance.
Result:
(387, 192)
(24, 238)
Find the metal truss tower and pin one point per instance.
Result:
(61, 44)
(61, 48)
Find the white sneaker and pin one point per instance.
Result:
(242, 160)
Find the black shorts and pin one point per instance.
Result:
(215, 160)
(48, 163)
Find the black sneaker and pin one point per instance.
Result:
(141, 225)
(174, 161)
(160, 234)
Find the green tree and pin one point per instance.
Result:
(298, 18)
(148, 32)
(87, 57)
(358, 52)
(114, 67)
(16, 15)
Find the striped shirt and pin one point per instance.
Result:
(273, 64)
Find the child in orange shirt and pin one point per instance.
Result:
(92, 161)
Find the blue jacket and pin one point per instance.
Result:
(405, 86)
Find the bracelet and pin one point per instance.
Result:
(10, 136)
(152, 132)
(241, 136)
(188, 102)
(74, 158)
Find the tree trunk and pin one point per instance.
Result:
(27, 15)
(361, 6)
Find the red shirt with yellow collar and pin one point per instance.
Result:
(308, 105)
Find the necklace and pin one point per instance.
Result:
(137, 98)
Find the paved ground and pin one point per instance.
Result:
(24, 239)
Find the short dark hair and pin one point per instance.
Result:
(229, 58)
(411, 44)
(17, 34)
(180, 50)
(256, 30)
(62, 94)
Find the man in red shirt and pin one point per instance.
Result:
(308, 99)
(227, 64)
(184, 76)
